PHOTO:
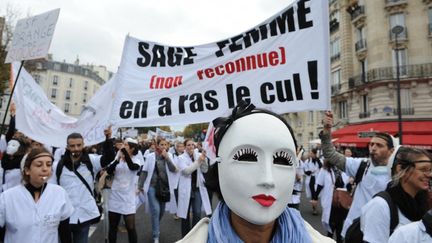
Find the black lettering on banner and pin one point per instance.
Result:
(190, 54)
(284, 92)
(313, 79)
(175, 57)
(265, 98)
(165, 107)
(209, 96)
(158, 56)
(182, 101)
(241, 93)
(139, 110)
(145, 60)
(197, 102)
(297, 86)
(302, 11)
(285, 22)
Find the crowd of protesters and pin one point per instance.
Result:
(57, 188)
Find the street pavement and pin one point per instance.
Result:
(170, 228)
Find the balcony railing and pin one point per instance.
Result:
(360, 45)
(404, 111)
(364, 114)
(389, 73)
(395, 2)
(359, 10)
(335, 57)
(430, 29)
(401, 36)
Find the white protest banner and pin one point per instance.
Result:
(32, 37)
(281, 64)
(164, 134)
(42, 121)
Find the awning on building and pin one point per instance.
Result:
(415, 133)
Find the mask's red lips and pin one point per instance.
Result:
(264, 200)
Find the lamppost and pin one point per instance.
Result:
(396, 31)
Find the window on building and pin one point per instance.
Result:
(311, 136)
(343, 109)
(335, 49)
(70, 69)
(364, 103)
(85, 97)
(54, 93)
(70, 82)
(311, 117)
(85, 85)
(68, 95)
(406, 101)
(403, 62)
(363, 69)
(336, 78)
(55, 80)
(66, 108)
(299, 139)
(398, 19)
(430, 20)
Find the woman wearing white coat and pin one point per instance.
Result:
(121, 200)
(332, 217)
(36, 211)
(191, 190)
(174, 178)
(156, 166)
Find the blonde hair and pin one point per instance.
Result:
(405, 158)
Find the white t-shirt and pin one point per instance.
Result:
(412, 232)
(375, 221)
(30, 221)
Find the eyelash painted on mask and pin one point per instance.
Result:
(246, 154)
(283, 158)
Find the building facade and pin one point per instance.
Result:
(69, 86)
(366, 56)
(381, 63)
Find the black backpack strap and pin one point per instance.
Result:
(59, 170)
(394, 216)
(84, 182)
(360, 172)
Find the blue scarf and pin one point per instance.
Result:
(290, 227)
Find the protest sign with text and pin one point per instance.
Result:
(32, 37)
(281, 64)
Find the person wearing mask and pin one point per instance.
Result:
(75, 172)
(121, 201)
(373, 171)
(12, 162)
(192, 193)
(408, 190)
(254, 177)
(157, 165)
(36, 211)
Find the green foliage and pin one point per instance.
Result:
(192, 130)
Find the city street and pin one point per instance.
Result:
(170, 228)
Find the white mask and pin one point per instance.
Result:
(261, 136)
(12, 147)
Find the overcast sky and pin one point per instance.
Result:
(95, 30)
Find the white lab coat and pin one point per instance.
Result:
(375, 220)
(327, 180)
(171, 206)
(374, 181)
(122, 198)
(149, 166)
(412, 232)
(314, 168)
(298, 185)
(30, 221)
(81, 198)
(184, 188)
